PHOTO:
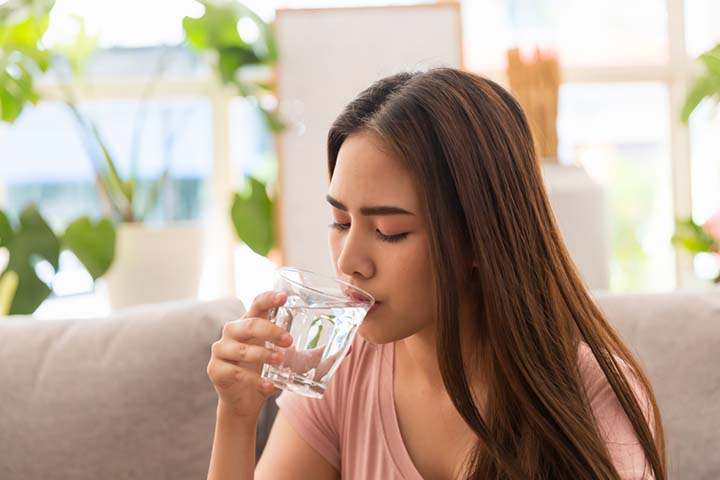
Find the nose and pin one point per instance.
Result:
(353, 258)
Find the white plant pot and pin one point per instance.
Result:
(155, 264)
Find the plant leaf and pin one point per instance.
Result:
(252, 217)
(705, 86)
(231, 59)
(122, 191)
(711, 59)
(33, 238)
(692, 237)
(21, 54)
(6, 232)
(273, 120)
(92, 243)
(216, 28)
(8, 287)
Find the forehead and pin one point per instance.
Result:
(367, 174)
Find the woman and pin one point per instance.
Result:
(486, 357)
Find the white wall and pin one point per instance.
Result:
(327, 57)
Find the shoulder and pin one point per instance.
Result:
(594, 379)
(614, 425)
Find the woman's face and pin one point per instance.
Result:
(378, 239)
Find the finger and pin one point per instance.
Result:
(262, 385)
(243, 352)
(264, 302)
(222, 373)
(266, 387)
(226, 375)
(254, 328)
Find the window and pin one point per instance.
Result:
(701, 25)
(626, 70)
(57, 173)
(586, 34)
(620, 134)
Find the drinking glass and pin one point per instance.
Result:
(322, 314)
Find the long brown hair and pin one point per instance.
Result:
(467, 143)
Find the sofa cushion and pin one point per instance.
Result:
(676, 338)
(121, 397)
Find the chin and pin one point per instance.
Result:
(377, 336)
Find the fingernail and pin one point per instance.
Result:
(275, 357)
(285, 338)
(279, 296)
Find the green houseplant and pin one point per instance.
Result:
(127, 201)
(689, 235)
(216, 33)
(22, 56)
(238, 59)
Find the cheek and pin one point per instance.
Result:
(410, 294)
(412, 262)
(415, 292)
(413, 288)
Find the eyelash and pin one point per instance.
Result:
(385, 238)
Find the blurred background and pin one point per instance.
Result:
(142, 112)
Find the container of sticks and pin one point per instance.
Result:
(535, 82)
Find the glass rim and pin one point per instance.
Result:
(281, 270)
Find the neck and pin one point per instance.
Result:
(418, 359)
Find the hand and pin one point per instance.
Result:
(238, 357)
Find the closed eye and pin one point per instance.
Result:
(339, 226)
(385, 238)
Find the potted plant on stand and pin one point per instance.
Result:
(239, 60)
(152, 262)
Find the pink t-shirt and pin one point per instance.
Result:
(354, 425)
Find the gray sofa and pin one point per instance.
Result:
(127, 396)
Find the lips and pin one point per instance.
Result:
(358, 297)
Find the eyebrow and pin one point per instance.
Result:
(368, 211)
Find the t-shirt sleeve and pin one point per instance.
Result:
(625, 450)
(317, 420)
